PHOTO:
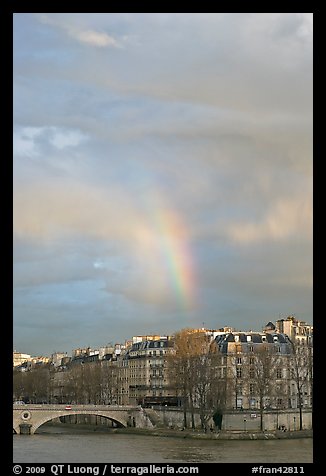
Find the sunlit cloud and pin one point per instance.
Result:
(287, 218)
(93, 38)
(162, 171)
(87, 36)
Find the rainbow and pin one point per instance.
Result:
(173, 251)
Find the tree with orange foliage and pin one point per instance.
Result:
(189, 346)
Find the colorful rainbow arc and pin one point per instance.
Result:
(175, 254)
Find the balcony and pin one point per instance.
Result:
(139, 387)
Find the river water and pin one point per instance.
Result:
(63, 445)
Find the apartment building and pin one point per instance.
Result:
(20, 358)
(255, 367)
(145, 367)
(298, 331)
(270, 369)
(56, 358)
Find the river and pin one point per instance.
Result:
(64, 445)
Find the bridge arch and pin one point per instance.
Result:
(28, 418)
(46, 418)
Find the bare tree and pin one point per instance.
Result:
(91, 378)
(263, 372)
(19, 392)
(73, 388)
(236, 375)
(109, 382)
(34, 384)
(209, 387)
(202, 381)
(302, 372)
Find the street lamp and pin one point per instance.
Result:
(294, 423)
(244, 424)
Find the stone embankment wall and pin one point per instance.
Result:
(236, 420)
(159, 417)
(288, 420)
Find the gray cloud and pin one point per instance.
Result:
(162, 173)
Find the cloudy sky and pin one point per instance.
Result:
(162, 174)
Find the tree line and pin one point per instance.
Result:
(206, 381)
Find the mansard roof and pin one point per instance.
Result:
(147, 344)
(249, 338)
(270, 325)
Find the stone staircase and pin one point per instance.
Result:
(154, 417)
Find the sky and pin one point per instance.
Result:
(162, 174)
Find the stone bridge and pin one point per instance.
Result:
(28, 418)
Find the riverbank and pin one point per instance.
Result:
(188, 433)
(221, 435)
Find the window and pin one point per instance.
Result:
(251, 361)
(239, 373)
(251, 348)
(238, 360)
(278, 373)
(251, 388)
(252, 373)
(252, 403)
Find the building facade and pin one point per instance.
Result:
(298, 331)
(19, 358)
(146, 371)
(258, 371)
(264, 370)
(255, 367)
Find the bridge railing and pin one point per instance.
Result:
(74, 407)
